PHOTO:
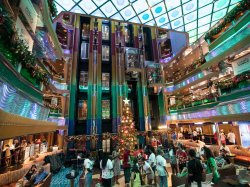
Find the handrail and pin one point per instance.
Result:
(48, 23)
(5, 62)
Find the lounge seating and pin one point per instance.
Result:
(178, 181)
(242, 155)
(10, 179)
(229, 170)
(46, 182)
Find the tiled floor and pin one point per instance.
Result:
(59, 179)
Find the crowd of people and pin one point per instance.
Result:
(148, 166)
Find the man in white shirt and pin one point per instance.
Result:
(161, 167)
(224, 149)
(231, 137)
(147, 170)
(88, 166)
(151, 159)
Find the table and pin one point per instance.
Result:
(72, 178)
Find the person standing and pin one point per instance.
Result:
(180, 135)
(181, 157)
(195, 134)
(161, 167)
(7, 155)
(107, 170)
(88, 167)
(211, 165)
(222, 136)
(126, 166)
(231, 137)
(174, 137)
(151, 159)
(194, 168)
(173, 159)
(17, 148)
(117, 164)
(147, 170)
(135, 175)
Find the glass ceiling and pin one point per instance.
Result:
(192, 16)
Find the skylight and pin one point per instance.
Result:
(193, 16)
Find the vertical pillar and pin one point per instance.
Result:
(98, 110)
(138, 44)
(154, 44)
(162, 110)
(90, 79)
(120, 69)
(73, 85)
(114, 81)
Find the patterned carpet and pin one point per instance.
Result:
(60, 180)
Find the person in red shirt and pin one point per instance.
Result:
(136, 152)
(126, 166)
(181, 157)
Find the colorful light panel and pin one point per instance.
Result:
(234, 107)
(184, 15)
(13, 101)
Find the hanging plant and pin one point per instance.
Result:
(52, 8)
(231, 16)
(16, 50)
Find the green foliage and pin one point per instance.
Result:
(15, 49)
(52, 8)
(231, 16)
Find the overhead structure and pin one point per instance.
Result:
(193, 16)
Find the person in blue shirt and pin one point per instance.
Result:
(40, 176)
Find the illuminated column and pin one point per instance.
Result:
(98, 108)
(73, 85)
(154, 44)
(162, 109)
(138, 43)
(122, 87)
(114, 81)
(146, 113)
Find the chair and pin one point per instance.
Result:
(209, 178)
(207, 182)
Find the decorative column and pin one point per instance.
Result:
(154, 44)
(98, 110)
(118, 41)
(162, 110)
(73, 85)
(138, 43)
(114, 81)
(94, 85)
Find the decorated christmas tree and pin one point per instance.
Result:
(126, 131)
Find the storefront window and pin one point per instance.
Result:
(85, 30)
(127, 34)
(83, 80)
(132, 58)
(105, 109)
(105, 81)
(82, 110)
(84, 50)
(105, 32)
(105, 53)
